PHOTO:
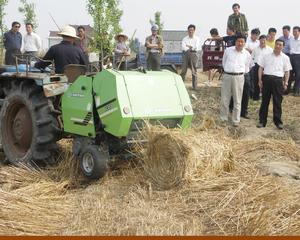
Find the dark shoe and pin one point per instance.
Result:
(245, 116)
(279, 126)
(260, 125)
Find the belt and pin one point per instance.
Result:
(272, 76)
(234, 74)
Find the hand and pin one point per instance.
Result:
(285, 86)
(260, 84)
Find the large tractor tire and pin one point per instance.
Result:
(28, 128)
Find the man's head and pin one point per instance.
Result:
(255, 34)
(68, 34)
(296, 32)
(262, 41)
(279, 45)
(154, 30)
(15, 26)
(240, 42)
(81, 31)
(230, 31)
(214, 32)
(191, 30)
(29, 28)
(272, 34)
(286, 30)
(236, 8)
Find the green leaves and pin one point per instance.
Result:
(106, 16)
(157, 21)
(28, 9)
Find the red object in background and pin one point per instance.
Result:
(212, 55)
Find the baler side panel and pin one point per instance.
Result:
(77, 105)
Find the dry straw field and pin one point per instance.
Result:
(210, 180)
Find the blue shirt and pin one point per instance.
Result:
(63, 54)
(229, 40)
(287, 46)
(12, 40)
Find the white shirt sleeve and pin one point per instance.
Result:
(198, 45)
(225, 58)
(38, 42)
(183, 45)
(287, 65)
(261, 61)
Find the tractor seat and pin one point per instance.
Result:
(73, 71)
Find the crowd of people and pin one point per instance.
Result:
(255, 66)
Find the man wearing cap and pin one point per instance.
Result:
(190, 46)
(154, 45)
(64, 53)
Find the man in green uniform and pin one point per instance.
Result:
(238, 21)
(154, 45)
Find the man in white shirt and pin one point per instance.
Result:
(274, 73)
(236, 62)
(258, 53)
(252, 41)
(295, 58)
(190, 47)
(31, 41)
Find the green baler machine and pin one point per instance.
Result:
(112, 106)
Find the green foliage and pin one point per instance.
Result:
(134, 45)
(157, 21)
(106, 17)
(3, 28)
(28, 9)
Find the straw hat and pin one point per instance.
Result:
(68, 31)
(121, 35)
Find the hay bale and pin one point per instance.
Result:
(165, 156)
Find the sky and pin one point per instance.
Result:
(176, 15)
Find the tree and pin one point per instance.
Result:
(134, 45)
(106, 17)
(157, 21)
(28, 9)
(3, 28)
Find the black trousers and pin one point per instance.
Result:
(10, 58)
(246, 96)
(295, 60)
(272, 87)
(254, 78)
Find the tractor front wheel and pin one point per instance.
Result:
(93, 161)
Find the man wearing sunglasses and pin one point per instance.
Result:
(12, 43)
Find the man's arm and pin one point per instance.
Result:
(184, 46)
(216, 38)
(286, 80)
(38, 43)
(246, 24)
(260, 75)
(48, 57)
(5, 40)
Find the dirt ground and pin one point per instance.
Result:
(241, 181)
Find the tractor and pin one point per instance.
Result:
(103, 112)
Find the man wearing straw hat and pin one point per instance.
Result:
(122, 51)
(64, 53)
(154, 45)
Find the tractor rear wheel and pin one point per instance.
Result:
(28, 128)
(93, 161)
